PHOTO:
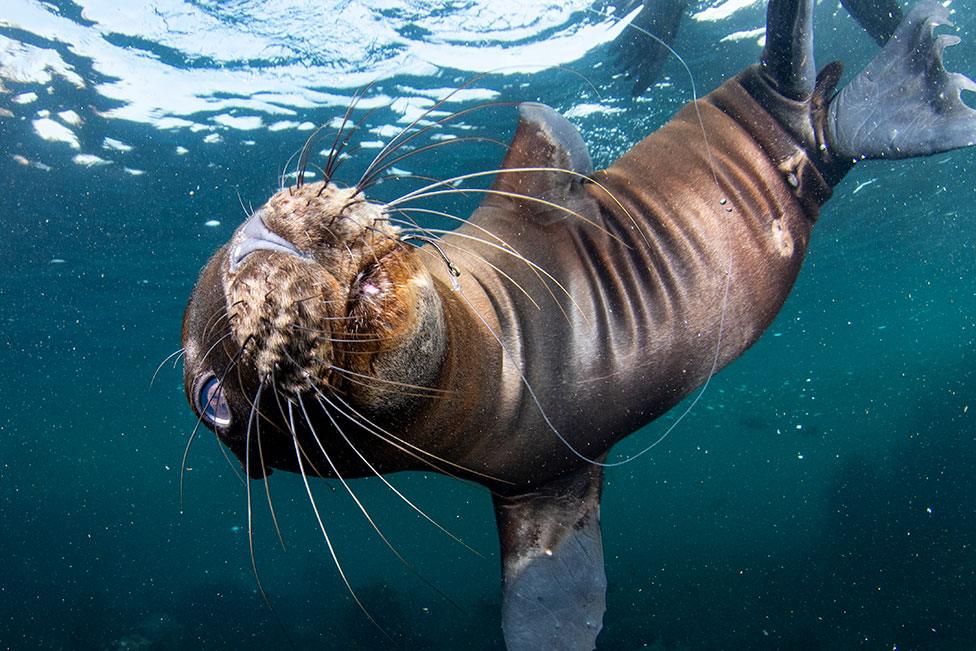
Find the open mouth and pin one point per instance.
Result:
(253, 236)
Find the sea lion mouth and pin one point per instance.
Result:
(253, 236)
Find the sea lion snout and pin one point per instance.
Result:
(254, 235)
(319, 288)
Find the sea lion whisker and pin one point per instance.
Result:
(240, 200)
(345, 120)
(434, 242)
(426, 392)
(317, 296)
(216, 343)
(196, 427)
(359, 503)
(320, 170)
(250, 510)
(728, 278)
(373, 429)
(402, 384)
(383, 479)
(267, 486)
(694, 88)
(367, 181)
(378, 432)
(525, 381)
(338, 340)
(336, 160)
(402, 392)
(582, 177)
(387, 236)
(250, 519)
(173, 354)
(396, 142)
(704, 386)
(325, 533)
(284, 170)
(303, 157)
(336, 148)
(393, 141)
(378, 162)
(505, 247)
(545, 417)
(368, 245)
(290, 424)
(536, 269)
(401, 441)
(214, 319)
(471, 253)
(336, 318)
(511, 195)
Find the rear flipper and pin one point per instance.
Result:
(552, 560)
(904, 103)
(639, 54)
(879, 18)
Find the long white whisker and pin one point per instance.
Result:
(325, 533)
(484, 260)
(510, 195)
(403, 442)
(383, 479)
(374, 378)
(264, 479)
(196, 427)
(168, 357)
(545, 416)
(355, 498)
(250, 510)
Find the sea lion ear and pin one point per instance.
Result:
(543, 173)
(552, 560)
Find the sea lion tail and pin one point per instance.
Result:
(904, 103)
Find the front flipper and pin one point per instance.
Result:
(544, 171)
(905, 103)
(552, 559)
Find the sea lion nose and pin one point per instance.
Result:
(254, 235)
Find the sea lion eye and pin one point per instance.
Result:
(212, 404)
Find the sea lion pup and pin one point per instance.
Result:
(318, 342)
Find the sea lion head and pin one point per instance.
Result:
(315, 294)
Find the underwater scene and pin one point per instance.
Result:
(817, 494)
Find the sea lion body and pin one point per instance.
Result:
(646, 277)
(572, 308)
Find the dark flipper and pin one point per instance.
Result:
(544, 139)
(640, 55)
(879, 18)
(552, 560)
(787, 60)
(905, 103)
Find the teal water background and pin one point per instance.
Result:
(820, 495)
